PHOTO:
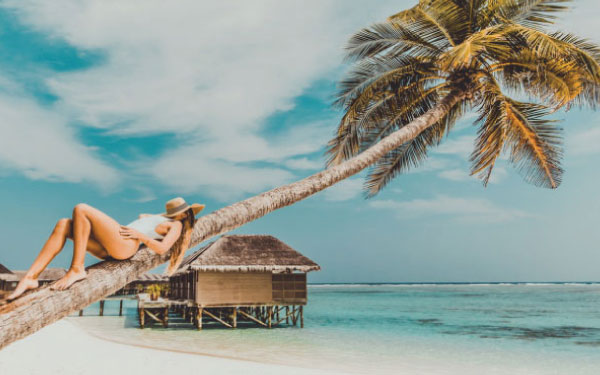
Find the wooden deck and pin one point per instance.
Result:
(157, 311)
(264, 315)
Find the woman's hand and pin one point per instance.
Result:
(127, 232)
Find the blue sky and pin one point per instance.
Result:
(126, 105)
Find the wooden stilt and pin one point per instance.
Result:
(301, 317)
(80, 312)
(294, 316)
(242, 312)
(141, 313)
(121, 308)
(270, 312)
(199, 318)
(217, 318)
(234, 317)
(102, 308)
(156, 318)
(166, 316)
(277, 307)
(287, 315)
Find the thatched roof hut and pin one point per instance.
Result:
(141, 283)
(153, 277)
(247, 253)
(9, 280)
(243, 270)
(47, 275)
(4, 270)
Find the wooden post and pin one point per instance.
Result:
(234, 317)
(141, 312)
(218, 319)
(294, 316)
(101, 307)
(121, 308)
(252, 318)
(166, 316)
(183, 313)
(80, 312)
(270, 312)
(199, 318)
(287, 314)
(301, 316)
(277, 307)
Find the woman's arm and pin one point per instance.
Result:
(161, 247)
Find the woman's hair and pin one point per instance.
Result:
(182, 243)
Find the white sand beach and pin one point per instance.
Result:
(63, 348)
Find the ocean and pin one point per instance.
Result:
(503, 328)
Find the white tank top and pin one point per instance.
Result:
(147, 224)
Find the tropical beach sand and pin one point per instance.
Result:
(495, 329)
(62, 348)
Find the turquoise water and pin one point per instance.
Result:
(396, 328)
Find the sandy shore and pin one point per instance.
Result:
(62, 348)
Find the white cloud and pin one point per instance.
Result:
(146, 194)
(344, 190)
(187, 171)
(455, 175)
(584, 143)
(211, 72)
(498, 174)
(466, 209)
(433, 163)
(461, 146)
(304, 163)
(581, 19)
(38, 143)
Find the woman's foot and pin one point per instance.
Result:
(69, 278)
(24, 284)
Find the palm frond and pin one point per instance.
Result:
(378, 72)
(534, 142)
(392, 39)
(558, 45)
(374, 102)
(556, 82)
(411, 154)
(530, 13)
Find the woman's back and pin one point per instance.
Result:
(147, 224)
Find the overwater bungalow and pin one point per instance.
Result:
(141, 284)
(133, 289)
(256, 278)
(8, 281)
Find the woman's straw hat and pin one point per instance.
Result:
(178, 205)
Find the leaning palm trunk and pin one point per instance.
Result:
(40, 307)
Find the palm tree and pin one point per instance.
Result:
(448, 56)
(415, 75)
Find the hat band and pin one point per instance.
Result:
(175, 209)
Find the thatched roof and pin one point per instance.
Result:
(49, 274)
(152, 277)
(247, 252)
(4, 269)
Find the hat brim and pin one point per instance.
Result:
(196, 207)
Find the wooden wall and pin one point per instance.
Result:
(289, 288)
(233, 288)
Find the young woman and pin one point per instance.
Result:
(92, 230)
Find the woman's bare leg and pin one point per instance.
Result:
(89, 221)
(55, 243)
(82, 228)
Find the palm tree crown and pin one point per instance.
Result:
(478, 50)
